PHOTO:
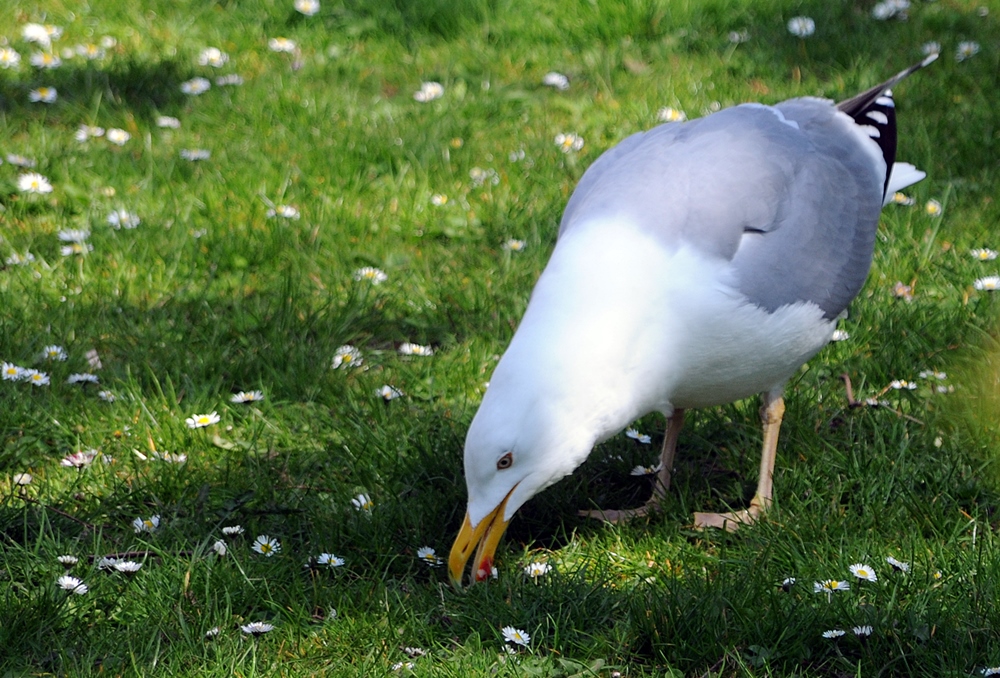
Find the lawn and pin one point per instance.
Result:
(273, 306)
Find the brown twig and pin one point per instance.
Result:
(852, 403)
(60, 512)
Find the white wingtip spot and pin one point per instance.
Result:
(886, 100)
(871, 131)
(878, 116)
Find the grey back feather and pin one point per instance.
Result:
(794, 210)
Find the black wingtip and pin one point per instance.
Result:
(858, 103)
(875, 112)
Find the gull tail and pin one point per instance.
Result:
(902, 175)
(875, 111)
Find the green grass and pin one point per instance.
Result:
(209, 296)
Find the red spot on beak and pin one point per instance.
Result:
(485, 569)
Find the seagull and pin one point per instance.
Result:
(697, 263)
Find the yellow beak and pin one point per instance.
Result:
(486, 536)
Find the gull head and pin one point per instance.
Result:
(516, 446)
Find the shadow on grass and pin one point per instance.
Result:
(144, 88)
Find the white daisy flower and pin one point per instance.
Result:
(929, 48)
(862, 571)
(33, 182)
(890, 9)
(195, 154)
(79, 459)
(107, 396)
(902, 199)
(119, 219)
(232, 530)
(281, 45)
(106, 563)
(514, 245)
(966, 50)
(118, 136)
(230, 80)
(307, 7)
(73, 234)
(388, 393)
(245, 397)
(363, 502)
(414, 652)
(668, 114)
(898, 565)
(9, 58)
(68, 561)
(257, 628)
(202, 420)
(36, 33)
(737, 37)
(646, 470)
(54, 352)
(983, 254)
(266, 546)
(346, 356)
(429, 91)
(862, 631)
(149, 524)
(45, 60)
(989, 284)
(902, 385)
(406, 348)
(11, 372)
(36, 378)
(829, 586)
(17, 259)
(439, 199)
(635, 435)
(285, 211)
(20, 161)
(399, 666)
(85, 132)
(220, 548)
(429, 556)
(557, 80)
(933, 208)
(44, 95)
(213, 56)
(127, 566)
(76, 248)
(168, 122)
(801, 26)
(212, 633)
(330, 560)
(89, 51)
(515, 636)
(22, 479)
(82, 378)
(170, 458)
(72, 584)
(834, 633)
(568, 143)
(535, 570)
(195, 86)
(840, 335)
(373, 275)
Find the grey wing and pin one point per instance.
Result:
(820, 247)
(792, 203)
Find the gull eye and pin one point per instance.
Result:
(505, 461)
